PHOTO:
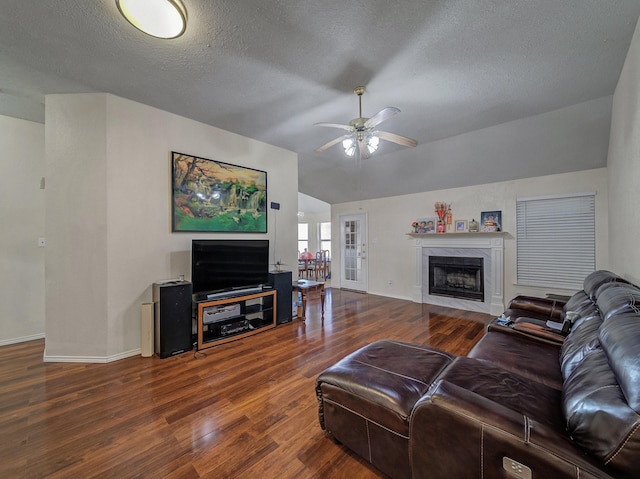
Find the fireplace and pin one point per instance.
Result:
(488, 246)
(457, 277)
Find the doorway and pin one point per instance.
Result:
(353, 252)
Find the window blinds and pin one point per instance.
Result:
(556, 240)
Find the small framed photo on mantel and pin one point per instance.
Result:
(490, 221)
(426, 225)
(462, 226)
(431, 225)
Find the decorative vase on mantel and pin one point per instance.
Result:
(441, 210)
(473, 226)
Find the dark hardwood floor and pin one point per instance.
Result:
(242, 409)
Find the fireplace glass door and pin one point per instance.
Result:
(457, 277)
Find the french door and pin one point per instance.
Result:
(353, 252)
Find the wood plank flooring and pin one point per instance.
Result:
(243, 409)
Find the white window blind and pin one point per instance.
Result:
(556, 240)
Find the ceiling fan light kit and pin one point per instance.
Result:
(159, 18)
(361, 140)
(349, 146)
(370, 141)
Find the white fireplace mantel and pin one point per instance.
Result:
(488, 245)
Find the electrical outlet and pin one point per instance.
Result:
(41, 242)
(515, 469)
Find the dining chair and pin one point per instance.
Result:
(321, 264)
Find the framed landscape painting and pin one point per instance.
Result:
(213, 196)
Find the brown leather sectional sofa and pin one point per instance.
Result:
(528, 400)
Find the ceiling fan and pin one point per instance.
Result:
(361, 138)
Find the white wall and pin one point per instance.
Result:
(624, 168)
(22, 219)
(76, 295)
(391, 251)
(112, 156)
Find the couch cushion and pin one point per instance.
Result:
(598, 417)
(580, 303)
(614, 300)
(614, 284)
(581, 341)
(529, 358)
(382, 381)
(530, 398)
(596, 279)
(620, 339)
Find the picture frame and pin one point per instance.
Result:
(461, 226)
(421, 225)
(490, 221)
(426, 225)
(216, 197)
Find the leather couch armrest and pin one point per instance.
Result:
(520, 328)
(538, 329)
(545, 307)
(457, 433)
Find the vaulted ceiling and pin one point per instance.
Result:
(269, 70)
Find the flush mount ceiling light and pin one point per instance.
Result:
(158, 18)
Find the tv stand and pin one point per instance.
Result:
(233, 317)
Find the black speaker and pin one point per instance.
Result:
(172, 305)
(281, 282)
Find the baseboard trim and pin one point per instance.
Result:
(388, 295)
(23, 339)
(90, 359)
(353, 290)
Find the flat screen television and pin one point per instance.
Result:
(219, 266)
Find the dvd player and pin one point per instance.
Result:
(214, 314)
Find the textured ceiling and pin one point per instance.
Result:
(270, 70)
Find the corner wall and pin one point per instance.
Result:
(22, 219)
(122, 240)
(76, 295)
(624, 168)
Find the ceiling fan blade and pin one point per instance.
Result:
(381, 116)
(335, 125)
(332, 142)
(399, 139)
